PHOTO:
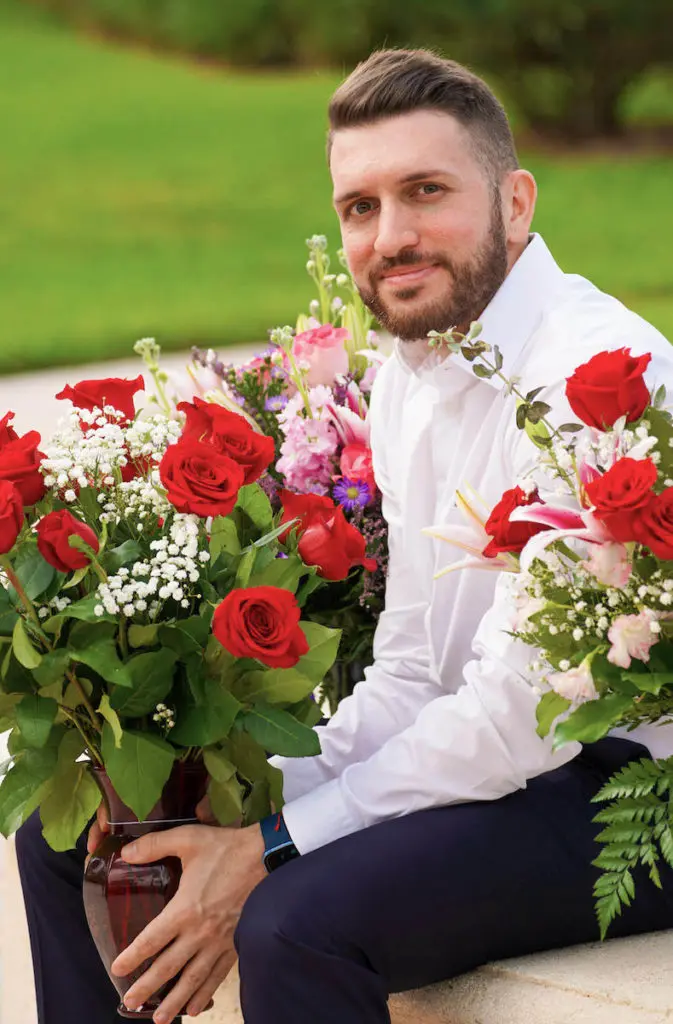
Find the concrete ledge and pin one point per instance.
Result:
(625, 981)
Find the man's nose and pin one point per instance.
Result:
(395, 232)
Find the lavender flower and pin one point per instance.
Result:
(275, 403)
(352, 494)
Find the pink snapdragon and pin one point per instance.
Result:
(609, 563)
(308, 453)
(576, 685)
(323, 351)
(632, 636)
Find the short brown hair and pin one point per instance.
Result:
(392, 82)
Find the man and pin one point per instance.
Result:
(435, 831)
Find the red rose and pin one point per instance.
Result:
(625, 488)
(20, 462)
(326, 538)
(261, 623)
(356, 464)
(506, 536)
(7, 431)
(610, 385)
(96, 394)
(11, 515)
(230, 434)
(199, 479)
(653, 525)
(53, 540)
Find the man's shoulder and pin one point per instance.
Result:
(584, 321)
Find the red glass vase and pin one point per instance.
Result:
(120, 899)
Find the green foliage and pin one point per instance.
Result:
(638, 830)
(279, 732)
(138, 768)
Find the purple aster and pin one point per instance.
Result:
(276, 403)
(351, 494)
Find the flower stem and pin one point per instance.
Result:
(71, 677)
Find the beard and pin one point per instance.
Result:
(474, 283)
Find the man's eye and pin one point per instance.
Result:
(430, 189)
(360, 208)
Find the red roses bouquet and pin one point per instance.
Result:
(152, 610)
(588, 537)
(310, 392)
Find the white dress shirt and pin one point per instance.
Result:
(446, 714)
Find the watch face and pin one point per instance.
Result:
(276, 858)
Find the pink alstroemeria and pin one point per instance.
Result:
(565, 523)
(632, 636)
(472, 538)
(576, 684)
(609, 563)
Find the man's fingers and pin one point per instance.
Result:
(196, 977)
(166, 966)
(203, 999)
(154, 938)
(204, 812)
(174, 842)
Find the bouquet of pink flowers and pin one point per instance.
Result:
(589, 535)
(309, 391)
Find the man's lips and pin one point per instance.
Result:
(408, 275)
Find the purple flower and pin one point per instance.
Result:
(276, 403)
(351, 494)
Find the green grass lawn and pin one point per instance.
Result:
(140, 195)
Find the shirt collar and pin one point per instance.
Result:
(511, 317)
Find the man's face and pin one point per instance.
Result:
(421, 224)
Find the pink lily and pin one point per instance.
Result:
(565, 523)
(351, 427)
(472, 538)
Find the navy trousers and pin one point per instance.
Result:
(423, 898)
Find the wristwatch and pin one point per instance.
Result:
(278, 845)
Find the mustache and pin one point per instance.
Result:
(409, 259)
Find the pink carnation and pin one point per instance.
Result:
(576, 684)
(609, 563)
(632, 636)
(322, 349)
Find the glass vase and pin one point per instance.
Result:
(120, 899)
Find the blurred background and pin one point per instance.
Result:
(162, 161)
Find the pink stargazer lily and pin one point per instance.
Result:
(472, 538)
(565, 523)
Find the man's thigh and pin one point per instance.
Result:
(433, 894)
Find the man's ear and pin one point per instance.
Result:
(519, 192)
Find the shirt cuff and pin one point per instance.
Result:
(320, 817)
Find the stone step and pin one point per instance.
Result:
(625, 981)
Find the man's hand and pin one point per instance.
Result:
(220, 868)
(98, 830)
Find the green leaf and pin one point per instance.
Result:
(279, 733)
(592, 720)
(323, 646)
(73, 797)
(112, 718)
(138, 769)
(143, 636)
(35, 574)
(254, 502)
(76, 578)
(72, 698)
(277, 686)
(124, 554)
(246, 753)
(521, 414)
(484, 372)
(22, 646)
(550, 706)
(281, 572)
(224, 537)
(24, 786)
(103, 658)
(187, 636)
(151, 675)
(497, 358)
(83, 610)
(276, 787)
(272, 535)
(35, 716)
(245, 568)
(226, 800)
(219, 767)
(52, 667)
(202, 725)
(648, 682)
